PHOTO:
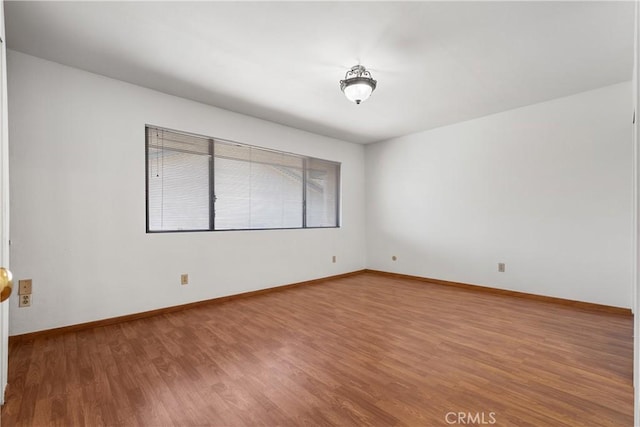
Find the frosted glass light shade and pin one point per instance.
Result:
(358, 92)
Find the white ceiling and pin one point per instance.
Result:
(436, 63)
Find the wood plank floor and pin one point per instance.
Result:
(362, 350)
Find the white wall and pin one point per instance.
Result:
(546, 188)
(78, 203)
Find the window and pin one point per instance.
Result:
(197, 183)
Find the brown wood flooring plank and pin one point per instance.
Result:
(359, 350)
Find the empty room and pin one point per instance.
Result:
(319, 213)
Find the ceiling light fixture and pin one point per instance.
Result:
(357, 84)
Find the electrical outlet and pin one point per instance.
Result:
(333, 259)
(501, 267)
(184, 279)
(24, 287)
(25, 300)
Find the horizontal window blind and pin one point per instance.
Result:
(199, 183)
(177, 182)
(322, 189)
(256, 188)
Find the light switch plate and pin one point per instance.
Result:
(24, 287)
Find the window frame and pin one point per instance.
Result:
(212, 195)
